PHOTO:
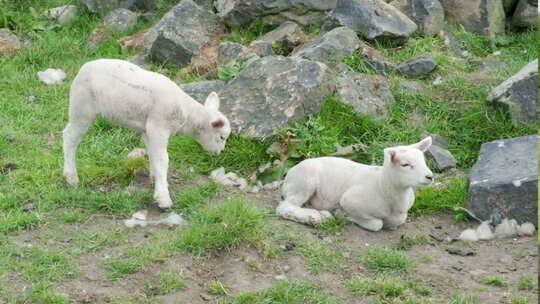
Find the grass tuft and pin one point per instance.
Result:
(493, 281)
(387, 260)
(165, 282)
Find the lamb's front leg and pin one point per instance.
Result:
(157, 141)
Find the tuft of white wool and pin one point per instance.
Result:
(483, 231)
(468, 235)
(526, 229)
(51, 76)
(506, 229)
(371, 196)
(146, 102)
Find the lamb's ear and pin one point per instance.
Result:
(424, 144)
(219, 123)
(212, 101)
(391, 155)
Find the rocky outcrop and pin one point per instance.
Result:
(483, 17)
(200, 90)
(504, 180)
(103, 6)
(121, 20)
(372, 18)
(525, 15)
(181, 34)
(274, 91)
(518, 95)
(63, 14)
(9, 42)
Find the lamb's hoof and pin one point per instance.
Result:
(163, 202)
(72, 179)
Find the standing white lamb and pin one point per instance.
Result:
(372, 196)
(147, 102)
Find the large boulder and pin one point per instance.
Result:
(372, 18)
(504, 180)
(331, 47)
(200, 90)
(63, 14)
(367, 94)
(120, 19)
(525, 15)
(181, 34)
(9, 42)
(518, 94)
(509, 6)
(233, 52)
(483, 17)
(273, 91)
(241, 12)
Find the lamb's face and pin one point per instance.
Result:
(213, 136)
(408, 164)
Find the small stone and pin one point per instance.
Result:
(27, 207)
(136, 153)
(262, 48)
(8, 168)
(418, 66)
(272, 186)
(437, 81)
(228, 179)
(526, 229)
(51, 76)
(286, 268)
(97, 36)
(140, 215)
(9, 42)
(484, 232)
(280, 277)
(506, 229)
(443, 158)
(63, 14)
(30, 98)
(468, 235)
(460, 251)
(121, 19)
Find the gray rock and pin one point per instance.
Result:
(63, 14)
(367, 94)
(206, 4)
(437, 139)
(230, 51)
(181, 34)
(373, 18)
(418, 66)
(200, 90)
(104, 6)
(273, 91)
(525, 15)
(141, 60)
(518, 94)
(504, 180)
(483, 17)
(375, 60)
(490, 66)
(331, 47)
(443, 158)
(288, 34)
(96, 37)
(240, 12)
(9, 42)
(262, 48)
(412, 87)
(428, 15)
(121, 19)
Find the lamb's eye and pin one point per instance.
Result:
(405, 165)
(222, 138)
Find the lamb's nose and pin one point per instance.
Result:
(430, 177)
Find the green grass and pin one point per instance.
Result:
(463, 299)
(189, 198)
(407, 242)
(333, 226)
(321, 256)
(223, 227)
(525, 283)
(246, 34)
(493, 281)
(286, 292)
(165, 282)
(217, 288)
(386, 260)
(450, 194)
(520, 300)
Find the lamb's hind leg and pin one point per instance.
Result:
(294, 198)
(72, 136)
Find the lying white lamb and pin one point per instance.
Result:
(147, 102)
(372, 196)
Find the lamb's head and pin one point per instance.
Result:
(407, 164)
(215, 131)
